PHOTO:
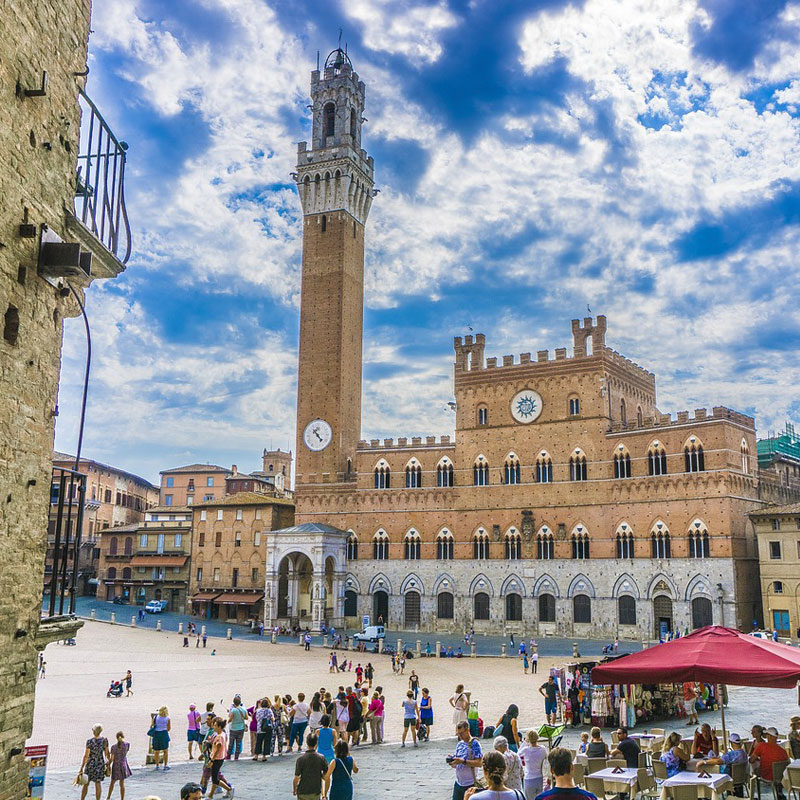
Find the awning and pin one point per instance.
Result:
(158, 561)
(242, 599)
(204, 597)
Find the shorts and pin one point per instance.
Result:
(426, 721)
(194, 736)
(216, 766)
(688, 706)
(410, 723)
(550, 706)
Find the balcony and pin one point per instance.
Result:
(99, 215)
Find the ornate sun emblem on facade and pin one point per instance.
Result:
(526, 406)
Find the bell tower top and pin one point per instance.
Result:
(335, 173)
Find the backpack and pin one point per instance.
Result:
(266, 722)
(488, 732)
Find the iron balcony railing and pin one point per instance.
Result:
(67, 484)
(100, 191)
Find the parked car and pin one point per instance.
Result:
(370, 634)
(761, 635)
(155, 606)
(119, 600)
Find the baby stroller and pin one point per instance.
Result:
(115, 690)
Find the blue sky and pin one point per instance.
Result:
(638, 157)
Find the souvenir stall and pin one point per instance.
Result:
(612, 705)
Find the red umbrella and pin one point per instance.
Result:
(712, 655)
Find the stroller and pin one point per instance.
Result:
(115, 690)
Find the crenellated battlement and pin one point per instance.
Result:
(701, 415)
(407, 443)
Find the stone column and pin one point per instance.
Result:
(270, 599)
(317, 601)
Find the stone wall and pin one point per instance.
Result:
(604, 581)
(38, 150)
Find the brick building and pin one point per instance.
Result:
(566, 503)
(778, 533)
(113, 497)
(229, 552)
(43, 72)
(194, 483)
(148, 560)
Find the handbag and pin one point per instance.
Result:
(152, 731)
(81, 779)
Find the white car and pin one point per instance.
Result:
(155, 606)
(761, 635)
(370, 634)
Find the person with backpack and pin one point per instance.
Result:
(265, 725)
(466, 758)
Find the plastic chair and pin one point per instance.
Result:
(578, 774)
(616, 762)
(778, 768)
(644, 760)
(598, 788)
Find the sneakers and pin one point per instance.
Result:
(229, 793)
(158, 767)
(166, 767)
(402, 744)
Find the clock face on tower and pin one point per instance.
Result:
(317, 434)
(526, 406)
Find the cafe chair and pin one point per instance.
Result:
(793, 773)
(685, 792)
(578, 773)
(647, 784)
(659, 770)
(614, 737)
(616, 762)
(644, 760)
(740, 775)
(595, 765)
(778, 768)
(658, 731)
(598, 788)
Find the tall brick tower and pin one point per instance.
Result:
(334, 179)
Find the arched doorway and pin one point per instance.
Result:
(380, 607)
(412, 610)
(294, 588)
(662, 616)
(350, 603)
(702, 612)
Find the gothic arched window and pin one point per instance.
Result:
(383, 478)
(413, 476)
(412, 546)
(513, 545)
(577, 466)
(659, 541)
(544, 468)
(656, 459)
(625, 546)
(445, 475)
(699, 542)
(444, 545)
(329, 119)
(380, 546)
(545, 546)
(480, 472)
(622, 463)
(352, 547)
(693, 456)
(580, 543)
(480, 544)
(512, 469)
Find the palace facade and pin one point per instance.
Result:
(565, 504)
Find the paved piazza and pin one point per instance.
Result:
(72, 698)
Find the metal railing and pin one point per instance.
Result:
(100, 191)
(69, 502)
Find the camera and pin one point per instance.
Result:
(449, 759)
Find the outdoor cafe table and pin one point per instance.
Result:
(624, 781)
(712, 787)
(644, 739)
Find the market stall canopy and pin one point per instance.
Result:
(712, 655)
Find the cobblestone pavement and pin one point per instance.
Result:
(394, 773)
(484, 645)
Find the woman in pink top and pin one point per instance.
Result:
(251, 712)
(375, 716)
(193, 730)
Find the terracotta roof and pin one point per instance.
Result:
(246, 499)
(59, 458)
(168, 509)
(129, 528)
(792, 508)
(196, 468)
